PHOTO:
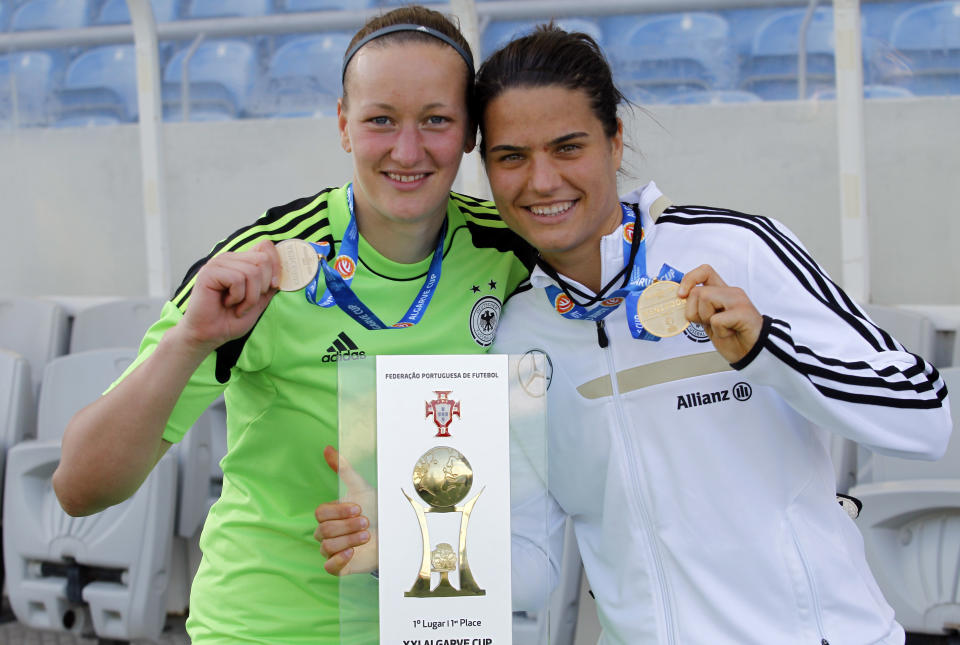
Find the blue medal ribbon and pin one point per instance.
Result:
(629, 293)
(339, 277)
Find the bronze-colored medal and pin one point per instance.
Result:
(660, 310)
(298, 264)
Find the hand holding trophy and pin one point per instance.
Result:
(345, 535)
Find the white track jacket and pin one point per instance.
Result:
(703, 494)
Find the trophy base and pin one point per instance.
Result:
(421, 589)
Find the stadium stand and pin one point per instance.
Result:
(99, 88)
(303, 78)
(914, 330)
(911, 530)
(109, 571)
(27, 80)
(499, 33)
(329, 5)
(672, 54)
(17, 412)
(869, 92)
(229, 8)
(771, 68)
(115, 12)
(118, 323)
(51, 14)
(713, 97)
(36, 329)
(927, 38)
(222, 74)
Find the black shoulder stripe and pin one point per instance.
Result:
(523, 286)
(798, 266)
(467, 200)
(261, 229)
(503, 240)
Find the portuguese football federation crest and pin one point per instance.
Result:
(442, 409)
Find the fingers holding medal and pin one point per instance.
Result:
(727, 314)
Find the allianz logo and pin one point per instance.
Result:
(740, 392)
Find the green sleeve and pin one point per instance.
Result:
(201, 390)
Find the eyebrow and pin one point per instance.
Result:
(388, 106)
(555, 142)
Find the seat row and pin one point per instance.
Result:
(732, 56)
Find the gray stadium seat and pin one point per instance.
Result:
(118, 323)
(17, 411)
(911, 529)
(914, 330)
(34, 328)
(110, 571)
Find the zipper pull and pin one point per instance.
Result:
(602, 339)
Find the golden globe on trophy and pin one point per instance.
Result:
(442, 478)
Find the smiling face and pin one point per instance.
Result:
(406, 124)
(553, 172)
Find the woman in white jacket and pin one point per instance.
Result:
(695, 466)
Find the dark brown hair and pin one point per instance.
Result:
(415, 15)
(551, 56)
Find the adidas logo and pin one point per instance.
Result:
(343, 349)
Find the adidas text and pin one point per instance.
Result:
(343, 356)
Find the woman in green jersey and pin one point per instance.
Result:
(415, 263)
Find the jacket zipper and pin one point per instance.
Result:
(814, 597)
(634, 475)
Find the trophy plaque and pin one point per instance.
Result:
(443, 465)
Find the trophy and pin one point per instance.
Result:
(442, 478)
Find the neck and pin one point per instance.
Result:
(406, 241)
(582, 265)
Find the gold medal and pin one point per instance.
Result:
(660, 310)
(298, 264)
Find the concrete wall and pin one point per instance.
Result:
(70, 199)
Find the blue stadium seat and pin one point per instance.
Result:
(329, 5)
(869, 92)
(229, 8)
(672, 54)
(303, 78)
(714, 97)
(927, 38)
(497, 34)
(4, 15)
(222, 75)
(50, 14)
(771, 68)
(115, 12)
(35, 75)
(100, 87)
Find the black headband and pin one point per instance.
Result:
(464, 54)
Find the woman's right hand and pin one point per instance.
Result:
(346, 537)
(228, 296)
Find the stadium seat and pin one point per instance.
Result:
(303, 78)
(771, 68)
(50, 14)
(222, 75)
(35, 75)
(4, 15)
(100, 87)
(927, 40)
(329, 5)
(109, 571)
(34, 328)
(118, 323)
(869, 92)
(499, 33)
(17, 412)
(910, 523)
(714, 97)
(672, 54)
(915, 331)
(115, 12)
(229, 8)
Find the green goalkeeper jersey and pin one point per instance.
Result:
(261, 579)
